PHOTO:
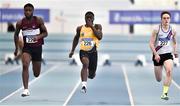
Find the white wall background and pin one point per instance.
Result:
(66, 15)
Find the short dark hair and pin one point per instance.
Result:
(165, 12)
(28, 5)
(89, 12)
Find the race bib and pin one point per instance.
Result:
(30, 39)
(163, 43)
(88, 42)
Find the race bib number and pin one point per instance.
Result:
(163, 43)
(30, 39)
(88, 42)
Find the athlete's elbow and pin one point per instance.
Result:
(150, 44)
(45, 34)
(99, 37)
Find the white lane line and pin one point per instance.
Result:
(72, 92)
(173, 82)
(128, 85)
(176, 84)
(31, 82)
(10, 70)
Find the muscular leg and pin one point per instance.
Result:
(36, 68)
(92, 74)
(158, 72)
(168, 64)
(85, 62)
(26, 58)
(92, 65)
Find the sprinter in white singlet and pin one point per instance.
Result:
(163, 45)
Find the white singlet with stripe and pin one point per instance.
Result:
(164, 40)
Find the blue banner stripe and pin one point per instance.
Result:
(140, 17)
(12, 15)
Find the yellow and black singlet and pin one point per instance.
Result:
(87, 39)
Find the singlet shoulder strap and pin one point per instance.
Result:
(157, 34)
(159, 29)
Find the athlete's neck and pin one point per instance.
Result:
(29, 18)
(88, 25)
(165, 27)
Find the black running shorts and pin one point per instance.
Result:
(163, 57)
(92, 56)
(35, 52)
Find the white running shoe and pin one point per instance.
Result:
(25, 93)
(164, 96)
(83, 89)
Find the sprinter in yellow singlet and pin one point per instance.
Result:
(88, 36)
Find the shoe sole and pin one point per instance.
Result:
(23, 95)
(83, 91)
(166, 98)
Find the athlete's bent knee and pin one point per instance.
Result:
(85, 66)
(92, 74)
(158, 80)
(169, 73)
(36, 74)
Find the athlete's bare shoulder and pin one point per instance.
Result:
(39, 20)
(18, 24)
(78, 29)
(173, 30)
(156, 29)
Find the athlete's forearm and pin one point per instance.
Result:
(153, 48)
(42, 35)
(175, 47)
(75, 43)
(16, 38)
(97, 33)
(175, 51)
(43, 29)
(16, 34)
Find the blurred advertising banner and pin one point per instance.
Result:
(12, 15)
(140, 17)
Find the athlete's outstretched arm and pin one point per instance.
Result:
(16, 37)
(43, 30)
(75, 41)
(175, 44)
(97, 29)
